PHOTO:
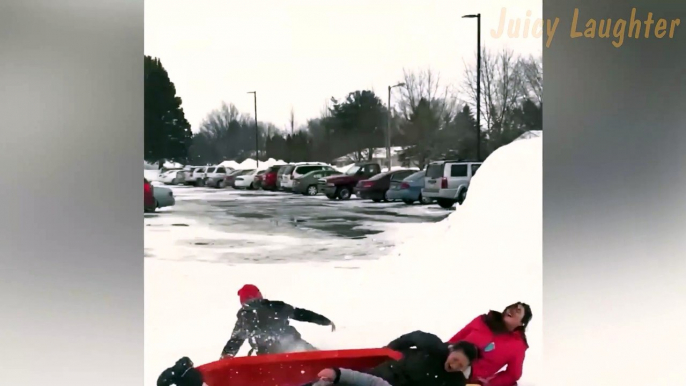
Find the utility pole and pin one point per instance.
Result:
(257, 134)
(478, 83)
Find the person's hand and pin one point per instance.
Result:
(224, 356)
(327, 375)
(333, 327)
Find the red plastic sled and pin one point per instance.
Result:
(292, 369)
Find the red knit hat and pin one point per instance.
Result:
(248, 293)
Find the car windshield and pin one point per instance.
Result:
(434, 171)
(416, 176)
(353, 170)
(379, 176)
(246, 172)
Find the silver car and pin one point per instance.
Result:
(163, 196)
(447, 182)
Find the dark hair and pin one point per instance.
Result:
(470, 350)
(494, 320)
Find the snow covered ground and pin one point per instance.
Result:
(433, 276)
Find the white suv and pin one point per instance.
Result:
(296, 170)
(447, 182)
(198, 175)
(216, 175)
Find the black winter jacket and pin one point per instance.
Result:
(423, 363)
(264, 323)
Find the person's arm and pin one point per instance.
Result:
(511, 374)
(465, 331)
(303, 315)
(238, 336)
(419, 339)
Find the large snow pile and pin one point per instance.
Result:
(230, 164)
(252, 164)
(487, 254)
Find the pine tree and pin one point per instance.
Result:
(167, 133)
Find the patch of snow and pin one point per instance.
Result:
(151, 175)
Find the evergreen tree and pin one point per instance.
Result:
(167, 133)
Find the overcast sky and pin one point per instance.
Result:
(300, 53)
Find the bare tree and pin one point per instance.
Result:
(532, 71)
(503, 85)
(425, 84)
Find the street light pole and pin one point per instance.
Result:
(478, 83)
(257, 134)
(388, 126)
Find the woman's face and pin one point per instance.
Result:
(456, 361)
(513, 316)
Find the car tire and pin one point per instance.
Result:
(424, 200)
(408, 202)
(385, 197)
(445, 203)
(174, 182)
(312, 190)
(343, 193)
(251, 186)
(330, 197)
(220, 184)
(462, 196)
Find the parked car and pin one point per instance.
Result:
(376, 188)
(188, 175)
(269, 178)
(163, 197)
(199, 175)
(247, 180)
(409, 190)
(279, 175)
(448, 181)
(307, 183)
(216, 175)
(172, 177)
(148, 196)
(299, 169)
(230, 180)
(341, 186)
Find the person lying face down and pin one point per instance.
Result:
(427, 361)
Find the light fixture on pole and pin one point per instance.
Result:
(257, 135)
(478, 82)
(388, 126)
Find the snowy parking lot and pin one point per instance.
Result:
(239, 226)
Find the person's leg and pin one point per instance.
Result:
(355, 378)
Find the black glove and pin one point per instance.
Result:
(181, 374)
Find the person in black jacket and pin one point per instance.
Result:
(427, 361)
(181, 374)
(264, 324)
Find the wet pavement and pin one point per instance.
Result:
(248, 225)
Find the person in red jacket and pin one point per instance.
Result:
(501, 339)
